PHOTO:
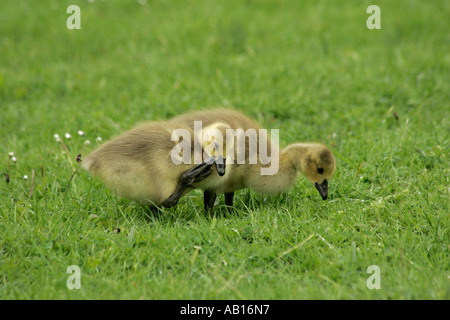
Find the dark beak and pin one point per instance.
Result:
(220, 165)
(323, 189)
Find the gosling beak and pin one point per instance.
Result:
(220, 165)
(323, 189)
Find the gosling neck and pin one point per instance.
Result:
(297, 154)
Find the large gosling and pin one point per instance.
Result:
(138, 164)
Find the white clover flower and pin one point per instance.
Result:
(11, 154)
(25, 177)
(67, 135)
(98, 139)
(80, 133)
(14, 159)
(87, 142)
(57, 137)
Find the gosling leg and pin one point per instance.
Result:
(193, 175)
(229, 200)
(208, 199)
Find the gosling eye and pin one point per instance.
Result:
(320, 170)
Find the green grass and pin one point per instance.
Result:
(309, 68)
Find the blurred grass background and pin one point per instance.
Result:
(309, 68)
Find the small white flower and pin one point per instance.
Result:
(14, 159)
(98, 139)
(67, 135)
(80, 133)
(11, 154)
(87, 142)
(25, 177)
(57, 137)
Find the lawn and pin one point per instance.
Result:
(312, 69)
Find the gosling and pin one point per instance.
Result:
(139, 165)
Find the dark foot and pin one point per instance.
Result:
(193, 175)
(208, 199)
(229, 200)
(197, 173)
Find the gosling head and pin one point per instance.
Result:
(318, 167)
(214, 145)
